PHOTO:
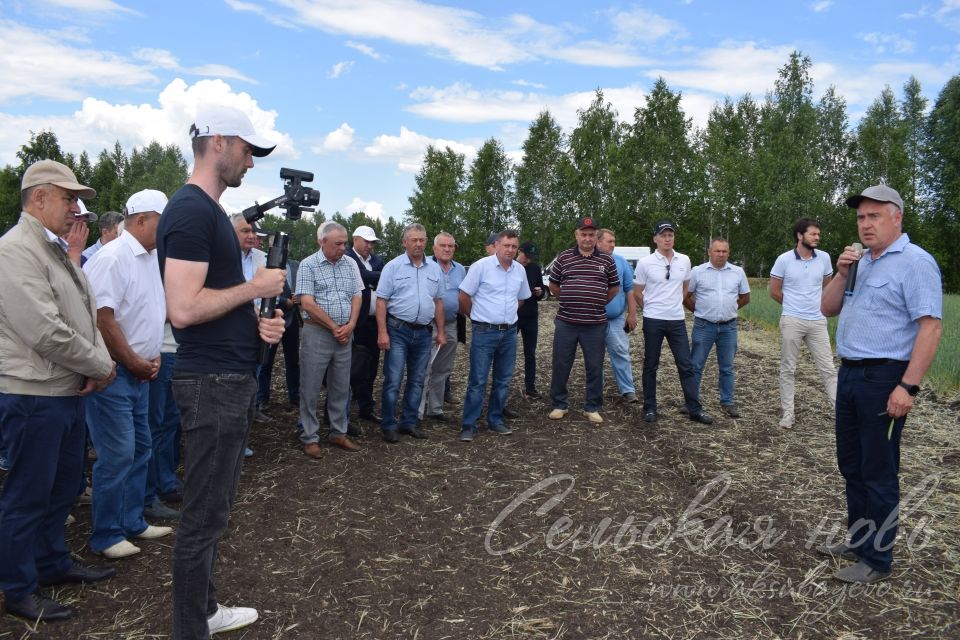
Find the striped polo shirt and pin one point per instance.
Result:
(584, 282)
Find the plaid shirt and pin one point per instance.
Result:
(331, 284)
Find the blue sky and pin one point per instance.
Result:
(354, 90)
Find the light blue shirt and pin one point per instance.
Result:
(892, 292)
(450, 286)
(92, 249)
(717, 291)
(802, 282)
(495, 290)
(618, 305)
(409, 290)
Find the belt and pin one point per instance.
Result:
(495, 327)
(721, 322)
(397, 322)
(870, 362)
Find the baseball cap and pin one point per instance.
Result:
(55, 173)
(587, 223)
(85, 213)
(367, 233)
(663, 225)
(144, 201)
(215, 120)
(880, 193)
(492, 238)
(528, 248)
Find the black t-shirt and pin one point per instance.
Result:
(193, 227)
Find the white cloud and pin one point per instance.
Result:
(268, 15)
(92, 6)
(340, 139)
(369, 207)
(98, 124)
(339, 69)
(366, 50)
(949, 14)
(166, 60)
(527, 83)
(645, 26)
(408, 148)
(597, 53)
(883, 42)
(36, 63)
(821, 6)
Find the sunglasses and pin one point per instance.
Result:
(668, 272)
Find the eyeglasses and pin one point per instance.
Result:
(668, 272)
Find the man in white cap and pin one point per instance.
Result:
(214, 383)
(130, 314)
(365, 335)
(53, 356)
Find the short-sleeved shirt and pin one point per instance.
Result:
(495, 290)
(802, 282)
(409, 290)
(618, 305)
(584, 283)
(126, 278)
(193, 227)
(450, 285)
(332, 285)
(662, 286)
(892, 293)
(717, 291)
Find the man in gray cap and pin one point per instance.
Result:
(53, 356)
(209, 305)
(890, 303)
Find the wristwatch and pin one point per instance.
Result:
(912, 389)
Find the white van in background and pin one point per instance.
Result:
(632, 254)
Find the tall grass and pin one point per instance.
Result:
(944, 374)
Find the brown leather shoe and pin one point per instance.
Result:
(312, 450)
(344, 443)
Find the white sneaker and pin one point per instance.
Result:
(786, 422)
(152, 532)
(556, 414)
(593, 416)
(122, 549)
(230, 618)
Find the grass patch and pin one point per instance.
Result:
(944, 374)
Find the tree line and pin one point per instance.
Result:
(746, 175)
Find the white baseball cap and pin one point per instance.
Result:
(365, 232)
(145, 201)
(85, 214)
(220, 120)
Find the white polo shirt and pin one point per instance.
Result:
(662, 296)
(126, 278)
(802, 282)
(495, 290)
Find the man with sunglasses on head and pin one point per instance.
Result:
(660, 284)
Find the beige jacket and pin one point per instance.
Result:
(49, 341)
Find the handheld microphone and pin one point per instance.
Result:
(852, 273)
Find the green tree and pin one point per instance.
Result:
(42, 146)
(594, 147)
(943, 163)
(155, 167)
(541, 200)
(392, 240)
(487, 200)
(438, 200)
(833, 170)
(915, 190)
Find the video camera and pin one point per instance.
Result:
(295, 200)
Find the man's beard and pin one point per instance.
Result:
(807, 246)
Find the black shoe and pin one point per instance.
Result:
(391, 436)
(650, 416)
(174, 497)
(450, 400)
(370, 417)
(156, 510)
(730, 410)
(683, 409)
(533, 393)
(77, 574)
(436, 417)
(414, 433)
(39, 607)
(510, 414)
(354, 431)
(701, 417)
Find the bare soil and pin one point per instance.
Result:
(564, 529)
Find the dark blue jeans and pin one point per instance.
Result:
(164, 430)
(291, 363)
(489, 348)
(410, 350)
(529, 327)
(592, 341)
(217, 411)
(705, 335)
(44, 437)
(675, 331)
(869, 460)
